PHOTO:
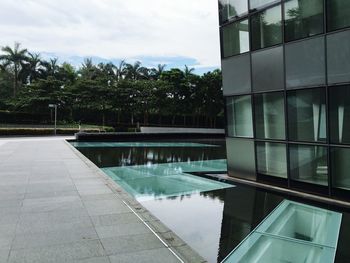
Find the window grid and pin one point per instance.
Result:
(330, 191)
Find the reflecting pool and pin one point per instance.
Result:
(221, 221)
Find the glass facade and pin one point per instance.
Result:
(305, 63)
(267, 67)
(267, 28)
(239, 158)
(339, 103)
(232, 8)
(288, 95)
(236, 75)
(260, 3)
(235, 38)
(239, 116)
(272, 159)
(308, 164)
(307, 115)
(340, 167)
(338, 14)
(338, 53)
(269, 116)
(303, 18)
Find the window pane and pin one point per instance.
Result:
(303, 18)
(266, 28)
(340, 166)
(305, 63)
(339, 104)
(268, 69)
(309, 164)
(338, 14)
(260, 3)
(271, 159)
(307, 115)
(235, 38)
(269, 116)
(239, 116)
(338, 54)
(236, 75)
(240, 158)
(232, 8)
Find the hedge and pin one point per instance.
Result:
(42, 131)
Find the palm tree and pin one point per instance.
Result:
(120, 70)
(34, 67)
(14, 58)
(188, 71)
(51, 67)
(133, 72)
(156, 72)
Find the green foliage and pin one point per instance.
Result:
(116, 95)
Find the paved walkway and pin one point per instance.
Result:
(55, 208)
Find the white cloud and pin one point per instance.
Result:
(114, 28)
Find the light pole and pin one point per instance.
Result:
(55, 107)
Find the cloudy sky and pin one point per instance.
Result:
(172, 32)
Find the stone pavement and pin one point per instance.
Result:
(55, 207)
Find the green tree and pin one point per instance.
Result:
(13, 59)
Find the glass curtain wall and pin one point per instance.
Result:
(239, 116)
(339, 104)
(235, 38)
(308, 164)
(260, 3)
(338, 14)
(269, 116)
(266, 28)
(307, 115)
(271, 159)
(303, 18)
(340, 167)
(232, 8)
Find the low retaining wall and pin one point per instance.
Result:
(181, 130)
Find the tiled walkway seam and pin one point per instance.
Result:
(56, 207)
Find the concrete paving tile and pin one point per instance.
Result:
(100, 197)
(122, 230)
(52, 206)
(128, 244)
(11, 203)
(54, 217)
(115, 219)
(95, 191)
(104, 207)
(4, 254)
(159, 255)
(58, 254)
(44, 226)
(13, 196)
(49, 187)
(93, 260)
(44, 239)
(51, 194)
(27, 202)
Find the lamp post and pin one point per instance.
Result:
(55, 107)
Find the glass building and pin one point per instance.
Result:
(286, 80)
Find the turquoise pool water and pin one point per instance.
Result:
(293, 232)
(145, 182)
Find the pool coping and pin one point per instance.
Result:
(171, 241)
(306, 196)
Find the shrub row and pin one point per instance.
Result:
(42, 131)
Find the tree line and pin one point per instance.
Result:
(108, 94)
